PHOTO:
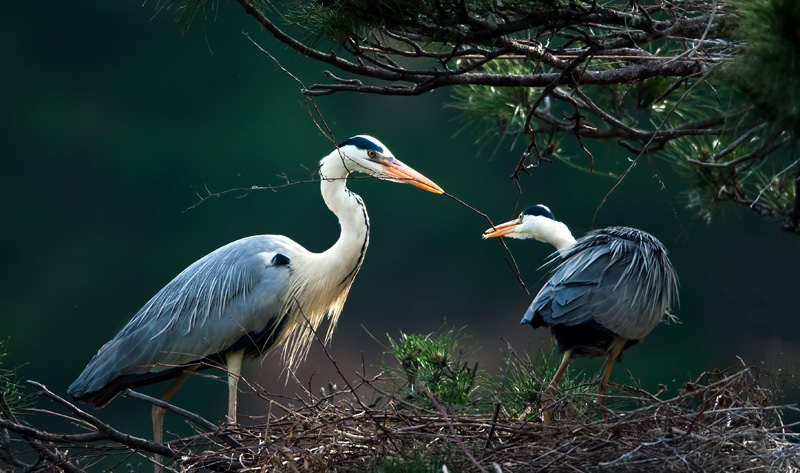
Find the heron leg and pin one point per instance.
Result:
(233, 361)
(601, 388)
(549, 395)
(158, 412)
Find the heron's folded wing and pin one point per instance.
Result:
(234, 291)
(576, 292)
(618, 277)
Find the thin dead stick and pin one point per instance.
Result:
(634, 161)
(394, 398)
(172, 408)
(513, 262)
(565, 57)
(209, 426)
(43, 436)
(54, 456)
(452, 429)
(208, 194)
(34, 438)
(109, 432)
(323, 128)
(491, 429)
(366, 409)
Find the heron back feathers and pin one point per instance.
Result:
(618, 277)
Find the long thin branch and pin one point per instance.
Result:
(209, 426)
(457, 438)
(109, 432)
(302, 48)
(428, 82)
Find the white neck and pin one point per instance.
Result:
(348, 251)
(321, 281)
(557, 234)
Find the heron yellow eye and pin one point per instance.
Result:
(371, 153)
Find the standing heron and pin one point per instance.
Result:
(248, 297)
(611, 288)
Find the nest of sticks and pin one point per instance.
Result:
(722, 421)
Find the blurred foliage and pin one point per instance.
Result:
(767, 69)
(733, 173)
(496, 110)
(437, 362)
(13, 399)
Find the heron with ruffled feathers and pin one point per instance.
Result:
(609, 290)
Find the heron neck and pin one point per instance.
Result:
(321, 281)
(348, 251)
(558, 235)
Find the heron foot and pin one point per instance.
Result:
(548, 404)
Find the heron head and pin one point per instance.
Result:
(534, 222)
(366, 154)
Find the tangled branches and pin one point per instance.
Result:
(687, 80)
(723, 421)
(462, 37)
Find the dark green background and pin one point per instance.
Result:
(112, 119)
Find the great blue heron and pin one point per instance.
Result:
(612, 287)
(248, 297)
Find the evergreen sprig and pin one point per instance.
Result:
(519, 390)
(437, 362)
(13, 399)
(767, 69)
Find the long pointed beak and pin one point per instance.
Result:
(502, 229)
(397, 170)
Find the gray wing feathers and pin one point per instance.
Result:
(618, 277)
(190, 318)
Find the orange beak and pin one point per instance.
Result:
(502, 229)
(399, 171)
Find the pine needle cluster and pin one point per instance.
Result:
(519, 391)
(433, 365)
(768, 67)
(13, 400)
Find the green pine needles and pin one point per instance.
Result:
(435, 364)
(13, 401)
(438, 364)
(497, 110)
(768, 67)
(519, 390)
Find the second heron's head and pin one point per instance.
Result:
(534, 222)
(363, 153)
